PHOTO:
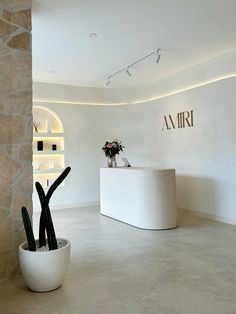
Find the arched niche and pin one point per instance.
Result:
(47, 119)
(48, 146)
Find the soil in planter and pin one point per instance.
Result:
(60, 244)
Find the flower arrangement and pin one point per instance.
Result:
(112, 148)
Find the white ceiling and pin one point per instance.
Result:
(188, 32)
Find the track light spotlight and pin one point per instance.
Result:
(128, 72)
(108, 82)
(158, 57)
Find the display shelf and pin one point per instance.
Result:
(48, 152)
(48, 135)
(45, 171)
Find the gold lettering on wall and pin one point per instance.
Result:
(183, 119)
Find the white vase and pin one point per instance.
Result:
(44, 271)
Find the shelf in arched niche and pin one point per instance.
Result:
(48, 146)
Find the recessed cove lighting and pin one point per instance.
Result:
(93, 35)
(141, 100)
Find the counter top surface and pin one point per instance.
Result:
(138, 168)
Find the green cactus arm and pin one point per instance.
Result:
(42, 235)
(57, 182)
(28, 229)
(52, 241)
(42, 227)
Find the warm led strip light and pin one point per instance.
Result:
(48, 137)
(47, 174)
(47, 154)
(181, 90)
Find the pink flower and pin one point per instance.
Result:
(109, 145)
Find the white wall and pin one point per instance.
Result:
(204, 155)
(82, 153)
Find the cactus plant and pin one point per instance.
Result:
(43, 221)
(46, 223)
(47, 219)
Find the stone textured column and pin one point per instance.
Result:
(15, 128)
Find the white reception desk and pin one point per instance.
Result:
(142, 197)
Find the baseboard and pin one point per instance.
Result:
(208, 216)
(68, 206)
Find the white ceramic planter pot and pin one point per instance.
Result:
(45, 271)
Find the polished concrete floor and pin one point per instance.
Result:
(119, 269)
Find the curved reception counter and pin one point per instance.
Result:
(142, 197)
